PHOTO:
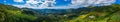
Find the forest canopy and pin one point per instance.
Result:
(109, 13)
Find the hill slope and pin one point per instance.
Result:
(10, 13)
(110, 13)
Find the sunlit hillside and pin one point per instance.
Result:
(109, 13)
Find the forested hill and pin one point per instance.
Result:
(109, 13)
(10, 13)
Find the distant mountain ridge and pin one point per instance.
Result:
(109, 13)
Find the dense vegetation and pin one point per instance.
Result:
(109, 13)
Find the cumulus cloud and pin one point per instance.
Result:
(86, 3)
(55, 7)
(18, 0)
(49, 4)
(40, 3)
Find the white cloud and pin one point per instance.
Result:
(35, 3)
(18, 0)
(43, 4)
(75, 4)
(85, 3)
(55, 7)
(31, 2)
(48, 3)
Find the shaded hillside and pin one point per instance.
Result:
(100, 14)
(10, 13)
(109, 13)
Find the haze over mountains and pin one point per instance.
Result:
(62, 11)
(109, 13)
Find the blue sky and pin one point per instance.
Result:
(117, 1)
(59, 3)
